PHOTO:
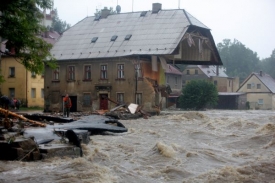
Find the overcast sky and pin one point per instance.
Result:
(252, 22)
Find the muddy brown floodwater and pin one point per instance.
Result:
(176, 146)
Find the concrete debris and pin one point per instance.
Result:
(124, 112)
(21, 139)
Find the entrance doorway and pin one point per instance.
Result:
(103, 101)
(74, 103)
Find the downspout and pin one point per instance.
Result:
(136, 78)
(26, 88)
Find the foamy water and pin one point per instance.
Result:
(205, 146)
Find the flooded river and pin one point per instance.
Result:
(176, 146)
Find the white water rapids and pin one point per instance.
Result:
(177, 146)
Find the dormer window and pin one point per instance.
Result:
(142, 14)
(113, 37)
(97, 18)
(94, 39)
(128, 36)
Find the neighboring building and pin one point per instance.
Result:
(122, 58)
(20, 83)
(213, 74)
(260, 90)
(48, 18)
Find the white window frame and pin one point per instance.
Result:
(260, 101)
(33, 92)
(120, 71)
(56, 74)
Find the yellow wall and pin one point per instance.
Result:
(20, 82)
(268, 100)
(254, 94)
(256, 81)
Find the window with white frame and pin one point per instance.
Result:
(248, 86)
(138, 70)
(103, 72)
(12, 72)
(56, 74)
(258, 86)
(120, 71)
(33, 74)
(260, 101)
(120, 98)
(71, 72)
(87, 72)
(33, 93)
(139, 98)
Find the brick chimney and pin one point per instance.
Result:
(105, 12)
(156, 7)
(261, 73)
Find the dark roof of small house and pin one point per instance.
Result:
(172, 70)
(151, 34)
(52, 37)
(209, 70)
(266, 79)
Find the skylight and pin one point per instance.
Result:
(142, 14)
(113, 37)
(94, 39)
(128, 36)
(97, 17)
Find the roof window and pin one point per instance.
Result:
(142, 14)
(97, 17)
(113, 37)
(128, 36)
(94, 39)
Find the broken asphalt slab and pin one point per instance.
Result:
(95, 124)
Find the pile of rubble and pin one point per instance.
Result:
(28, 137)
(124, 112)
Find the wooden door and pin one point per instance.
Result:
(103, 102)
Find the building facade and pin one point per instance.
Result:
(213, 74)
(122, 58)
(260, 90)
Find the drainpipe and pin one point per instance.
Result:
(26, 88)
(136, 77)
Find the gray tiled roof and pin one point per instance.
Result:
(172, 70)
(209, 70)
(154, 34)
(267, 80)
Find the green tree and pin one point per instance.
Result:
(20, 25)
(238, 59)
(98, 12)
(268, 65)
(198, 94)
(58, 25)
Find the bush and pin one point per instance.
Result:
(198, 94)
